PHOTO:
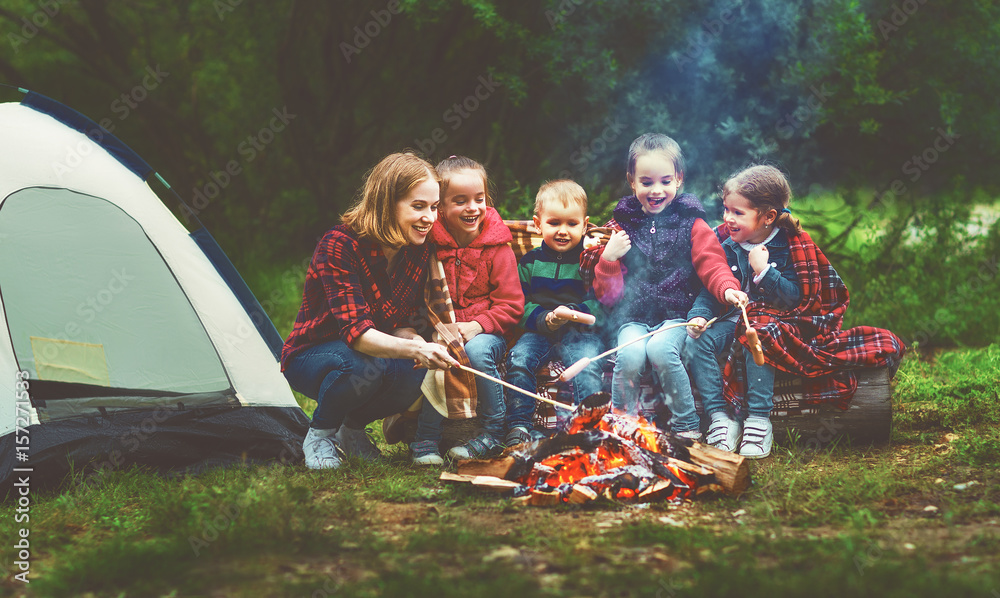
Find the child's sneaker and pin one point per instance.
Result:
(723, 432)
(758, 435)
(517, 435)
(483, 446)
(321, 449)
(694, 435)
(425, 452)
(357, 443)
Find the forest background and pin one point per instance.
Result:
(264, 118)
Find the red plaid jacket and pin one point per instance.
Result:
(348, 291)
(808, 341)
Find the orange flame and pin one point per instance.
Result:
(573, 465)
(637, 429)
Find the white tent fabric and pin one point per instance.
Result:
(44, 164)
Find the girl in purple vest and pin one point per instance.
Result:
(657, 261)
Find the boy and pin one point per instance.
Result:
(550, 277)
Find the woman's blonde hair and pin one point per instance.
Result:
(373, 215)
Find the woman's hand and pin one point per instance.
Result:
(618, 245)
(737, 298)
(698, 328)
(469, 330)
(433, 356)
(758, 259)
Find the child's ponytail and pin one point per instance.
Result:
(789, 223)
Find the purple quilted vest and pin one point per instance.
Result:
(661, 283)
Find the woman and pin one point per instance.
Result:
(354, 343)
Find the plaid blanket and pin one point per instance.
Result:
(451, 392)
(808, 340)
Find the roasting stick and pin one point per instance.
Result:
(579, 366)
(752, 339)
(520, 390)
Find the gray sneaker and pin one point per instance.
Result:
(357, 443)
(425, 452)
(321, 450)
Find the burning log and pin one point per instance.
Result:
(731, 470)
(580, 494)
(600, 453)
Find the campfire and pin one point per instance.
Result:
(598, 453)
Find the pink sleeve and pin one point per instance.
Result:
(609, 281)
(709, 261)
(506, 297)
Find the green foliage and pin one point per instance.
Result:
(825, 523)
(858, 98)
(959, 391)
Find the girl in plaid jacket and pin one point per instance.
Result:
(355, 339)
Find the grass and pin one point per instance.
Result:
(885, 521)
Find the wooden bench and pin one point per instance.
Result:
(868, 420)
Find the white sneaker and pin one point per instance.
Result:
(723, 432)
(321, 449)
(758, 435)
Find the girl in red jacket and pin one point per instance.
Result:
(473, 246)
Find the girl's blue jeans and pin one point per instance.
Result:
(663, 352)
(347, 384)
(485, 351)
(533, 350)
(701, 356)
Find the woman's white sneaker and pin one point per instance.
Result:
(321, 449)
(758, 435)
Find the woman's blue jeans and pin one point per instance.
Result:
(701, 356)
(485, 351)
(533, 350)
(663, 352)
(350, 385)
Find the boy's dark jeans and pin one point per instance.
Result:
(533, 350)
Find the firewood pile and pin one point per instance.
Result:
(601, 454)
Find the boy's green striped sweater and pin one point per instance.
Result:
(550, 279)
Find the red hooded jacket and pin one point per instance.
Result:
(482, 277)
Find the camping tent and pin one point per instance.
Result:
(138, 340)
